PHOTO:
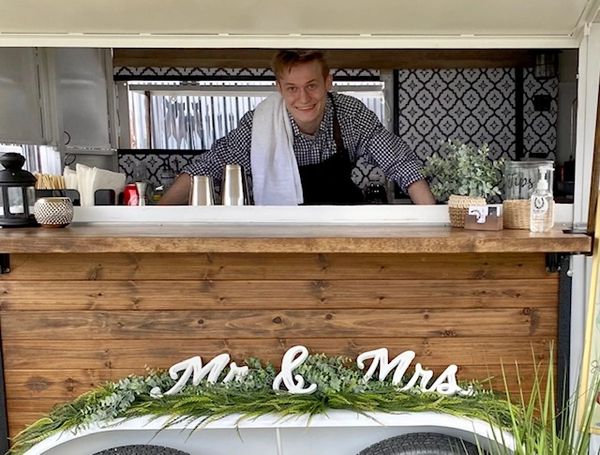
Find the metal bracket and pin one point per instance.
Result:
(4, 445)
(4, 263)
(563, 348)
(554, 262)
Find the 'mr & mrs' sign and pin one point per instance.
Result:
(193, 368)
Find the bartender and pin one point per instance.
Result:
(299, 146)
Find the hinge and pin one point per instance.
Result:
(554, 261)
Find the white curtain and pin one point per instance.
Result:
(195, 122)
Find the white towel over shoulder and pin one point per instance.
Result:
(275, 174)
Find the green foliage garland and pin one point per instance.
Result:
(340, 386)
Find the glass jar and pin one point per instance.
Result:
(520, 181)
(521, 177)
(167, 177)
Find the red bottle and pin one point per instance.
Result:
(130, 195)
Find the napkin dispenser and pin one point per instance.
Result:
(484, 218)
(90, 179)
(101, 196)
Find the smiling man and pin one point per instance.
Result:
(301, 144)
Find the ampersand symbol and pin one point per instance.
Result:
(292, 359)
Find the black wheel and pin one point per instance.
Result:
(141, 450)
(422, 444)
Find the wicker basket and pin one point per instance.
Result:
(458, 207)
(516, 213)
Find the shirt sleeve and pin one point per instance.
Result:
(385, 149)
(234, 148)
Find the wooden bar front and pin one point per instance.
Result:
(71, 320)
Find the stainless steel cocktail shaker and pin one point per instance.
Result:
(234, 185)
(201, 191)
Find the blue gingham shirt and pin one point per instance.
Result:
(362, 133)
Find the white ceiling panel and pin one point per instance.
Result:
(405, 18)
(428, 17)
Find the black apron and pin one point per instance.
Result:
(329, 182)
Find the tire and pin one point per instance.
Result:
(422, 444)
(141, 450)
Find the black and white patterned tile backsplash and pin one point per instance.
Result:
(153, 165)
(183, 73)
(470, 105)
(475, 106)
(539, 127)
(125, 73)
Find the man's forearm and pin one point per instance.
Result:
(178, 193)
(420, 193)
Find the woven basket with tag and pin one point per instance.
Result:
(458, 207)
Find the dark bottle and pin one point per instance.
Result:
(375, 194)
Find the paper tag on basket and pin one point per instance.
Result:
(481, 212)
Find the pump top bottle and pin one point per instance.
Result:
(541, 217)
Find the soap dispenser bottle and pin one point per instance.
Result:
(541, 218)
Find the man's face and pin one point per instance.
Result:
(304, 90)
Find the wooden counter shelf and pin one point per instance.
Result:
(91, 303)
(277, 238)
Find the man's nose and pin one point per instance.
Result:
(304, 94)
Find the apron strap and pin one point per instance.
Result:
(337, 131)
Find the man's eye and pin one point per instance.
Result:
(312, 86)
(292, 89)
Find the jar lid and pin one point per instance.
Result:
(529, 164)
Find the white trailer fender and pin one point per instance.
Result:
(334, 433)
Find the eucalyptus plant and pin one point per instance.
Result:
(465, 171)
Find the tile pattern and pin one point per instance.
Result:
(153, 165)
(471, 105)
(475, 106)
(539, 127)
(123, 73)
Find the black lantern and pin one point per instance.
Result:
(17, 193)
